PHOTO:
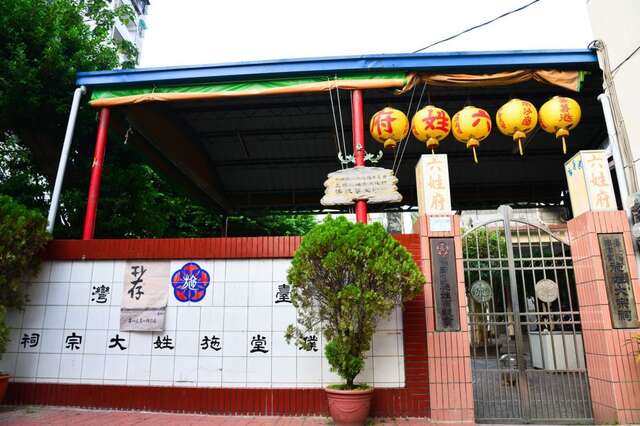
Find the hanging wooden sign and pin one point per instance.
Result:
(373, 184)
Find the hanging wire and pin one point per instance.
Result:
(344, 143)
(617, 67)
(395, 152)
(335, 126)
(404, 144)
(477, 26)
(126, 135)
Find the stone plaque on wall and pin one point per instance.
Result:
(622, 303)
(445, 285)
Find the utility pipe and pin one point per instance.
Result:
(64, 156)
(615, 152)
(96, 175)
(357, 117)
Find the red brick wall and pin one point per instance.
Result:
(448, 352)
(614, 376)
(412, 400)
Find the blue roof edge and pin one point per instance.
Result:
(441, 61)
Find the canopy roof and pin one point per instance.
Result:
(261, 135)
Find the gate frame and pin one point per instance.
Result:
(506, 218)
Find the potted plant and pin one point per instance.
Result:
(344, 278)
(23, 235)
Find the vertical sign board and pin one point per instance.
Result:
(445, 284)
(622, 303)
(432, 183)
(589, 182)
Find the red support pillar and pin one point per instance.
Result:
(357, 123)
(96, 175)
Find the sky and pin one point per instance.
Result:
(189, 32)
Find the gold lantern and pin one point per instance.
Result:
(470, 125)
(517, 118)
(559, 115)
(389, 126)
(430, 125)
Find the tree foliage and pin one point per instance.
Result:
(43, 44)
(345, 277)
(22, 238)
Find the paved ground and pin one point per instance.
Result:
(37, 415)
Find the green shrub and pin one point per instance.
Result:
(23, 236)
(344, 278)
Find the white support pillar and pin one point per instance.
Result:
(64, 156)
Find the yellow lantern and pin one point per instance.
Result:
(559, 115)
(389, 126)
(517, 118)
(470, 125)
(431, 124)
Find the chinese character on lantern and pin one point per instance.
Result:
(517, 118)
(388, 127)
(470, 126)
(430, 125)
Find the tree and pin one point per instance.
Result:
(345, 277)
(44, 43)
(22, 238)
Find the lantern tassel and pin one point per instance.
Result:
(520, 147)
(475, 157)
(432, 151)
(564, 146)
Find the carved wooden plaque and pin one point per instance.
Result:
(374, 184)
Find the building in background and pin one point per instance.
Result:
(614, 24)
(131, 31)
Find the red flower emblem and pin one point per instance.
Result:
(190, 282)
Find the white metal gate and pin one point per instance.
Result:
(526, 343)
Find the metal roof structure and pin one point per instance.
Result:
(274, 152)
(448, 61)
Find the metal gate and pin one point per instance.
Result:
(526, 343)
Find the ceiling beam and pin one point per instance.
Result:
(177, 147)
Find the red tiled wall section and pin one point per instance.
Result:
(178, 248)
(411, 401)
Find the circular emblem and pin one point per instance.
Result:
(190, 283)
(442, 249)
(481, 291)
(547, 290)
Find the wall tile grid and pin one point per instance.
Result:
(69, 333)
(614, 376)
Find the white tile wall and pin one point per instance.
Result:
(240, 305)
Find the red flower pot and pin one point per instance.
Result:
(4, 382)
(349, 407)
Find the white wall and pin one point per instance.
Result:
(616, 22)
(239, 303)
